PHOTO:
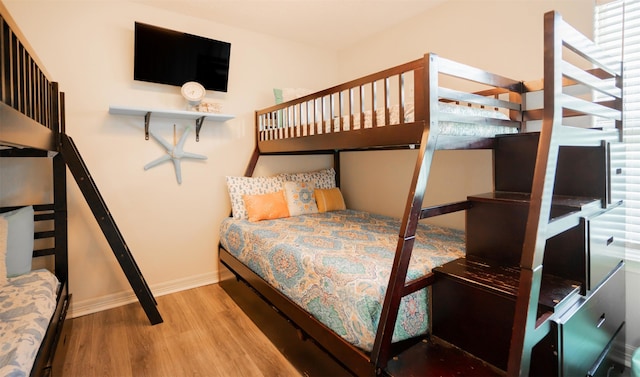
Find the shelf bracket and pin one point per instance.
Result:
(147, 116)
(199, 126)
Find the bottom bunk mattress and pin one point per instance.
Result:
(27, 303)
(336, 266)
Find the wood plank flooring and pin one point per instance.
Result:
(204, 334)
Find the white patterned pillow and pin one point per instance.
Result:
(300, 198)
(239, 186)
(321, 179)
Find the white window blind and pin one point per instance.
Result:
(615, 21)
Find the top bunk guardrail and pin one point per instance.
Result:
(30, 106)
(582, 87)
(465, 106)
(582, 106)
(594, 93)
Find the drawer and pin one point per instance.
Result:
(606, 366)
(605, 249)
(586, 330)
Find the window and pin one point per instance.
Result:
(614, 21)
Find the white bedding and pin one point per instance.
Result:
(27, 303)
(458, 127)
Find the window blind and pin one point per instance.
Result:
(615, 21)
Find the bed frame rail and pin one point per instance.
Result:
(44, 236)
(389, 109)
(28, 99)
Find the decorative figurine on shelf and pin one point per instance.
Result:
(174, 153)
(193, 92)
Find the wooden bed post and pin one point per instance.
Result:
(336, 166)
(60, 218)
(255, 155)
(256, 150)
(56, 102)
(397, 288)
(56, 116)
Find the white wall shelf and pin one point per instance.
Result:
(198, 116)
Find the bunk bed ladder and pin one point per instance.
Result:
(398, 288)
(109, 228)
(528, 328)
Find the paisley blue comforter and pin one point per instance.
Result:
(336, 265)
(27, 303)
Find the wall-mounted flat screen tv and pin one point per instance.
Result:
(171, 57)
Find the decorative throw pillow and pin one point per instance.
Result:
(3, 250)
(239, 186)
(321, 179)
(266, 206)
(329, 200)
(19, 240)
(300, 198)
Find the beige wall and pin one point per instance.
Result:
(171, 229)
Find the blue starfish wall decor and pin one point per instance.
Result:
(174, 153)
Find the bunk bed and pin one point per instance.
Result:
(32, 125)
(35, 302)
(552, 182)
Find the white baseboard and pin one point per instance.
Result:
(98, 304)
(623, 354)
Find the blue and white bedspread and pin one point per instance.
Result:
(336, 266)
(27, 303)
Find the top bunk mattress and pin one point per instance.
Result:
(28, 303)
(336, 266)
(454, 120)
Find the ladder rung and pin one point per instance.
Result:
(417, 284)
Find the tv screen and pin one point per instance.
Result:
(171, 57)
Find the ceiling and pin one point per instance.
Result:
(335, 24)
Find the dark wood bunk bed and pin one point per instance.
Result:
(495, 311)
(32, 124)
(28, 127)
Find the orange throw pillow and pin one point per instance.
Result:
(329, 199)
(266, 206)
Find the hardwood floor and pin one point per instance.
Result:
(204, 333)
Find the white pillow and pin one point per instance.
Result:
(239, 186)
(19, 240)
(321, 179)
